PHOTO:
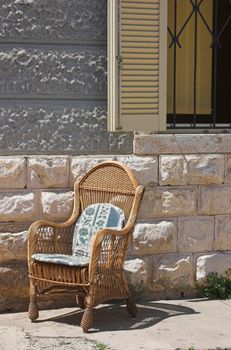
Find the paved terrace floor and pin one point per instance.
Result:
(162, 325)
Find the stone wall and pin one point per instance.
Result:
(184, 226)
(53, 79)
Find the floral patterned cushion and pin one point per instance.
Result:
(93, 219)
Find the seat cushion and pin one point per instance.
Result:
(69, 260)
(93, 219)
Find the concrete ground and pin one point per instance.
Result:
(162, 325)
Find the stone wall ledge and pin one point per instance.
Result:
(156, 144)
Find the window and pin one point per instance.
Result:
(193, 36)
(199, 56)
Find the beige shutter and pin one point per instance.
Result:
(137, 63)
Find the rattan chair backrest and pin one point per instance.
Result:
(108, 182)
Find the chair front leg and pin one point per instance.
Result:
(87, 319)
(33, 312)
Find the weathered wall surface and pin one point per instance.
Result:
(184, 226)
(53, 79)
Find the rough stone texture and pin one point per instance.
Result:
(222, 232)
(137, 273)
(182, 144)
(225, 145)
(191, 169)
(48, 172)
(216, 262)
(145, 169)
(13, 246)
(59, 128)
(154, 238)
(82, 20)
(14, 285)
(172, 272)
(60, 72)
(168, 201)
(228, 168)
(12, 172)
(79, 166)
(215, 199)
(17, 206)
(53, 97)
(196, 234)
(57, 205)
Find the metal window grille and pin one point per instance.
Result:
(219, 28)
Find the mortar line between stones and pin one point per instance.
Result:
(56, 97)
(64, 42)
(26, 166)
(177, 234)
(69, 173)
(214, 231)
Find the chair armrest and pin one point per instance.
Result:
(108, 250)
(50, 237)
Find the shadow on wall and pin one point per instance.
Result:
(149, 314)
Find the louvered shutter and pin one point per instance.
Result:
(137, 63)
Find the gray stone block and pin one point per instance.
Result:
(222, 232)
(13, 246)
(172, 271)
(215, 262)
(53, 72)
(215, 199)
(54, 20)
(154, 238)
(57, 206)
(196, 233)
(48, 172)
(59, 128)
(18, 206)
(167, 201)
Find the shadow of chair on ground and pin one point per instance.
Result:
(114, 317)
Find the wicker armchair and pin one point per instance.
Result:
(103, 279)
